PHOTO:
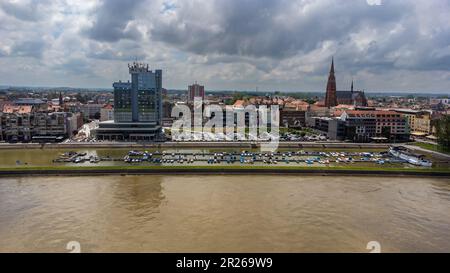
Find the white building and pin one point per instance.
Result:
(107, 113)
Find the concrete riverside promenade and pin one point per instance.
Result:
(202, 145)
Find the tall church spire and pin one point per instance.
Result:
(352, 86)
(330, 96)
(332, 66)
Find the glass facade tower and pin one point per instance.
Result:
(137, 107)
(140, 100)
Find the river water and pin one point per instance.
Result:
(224, 214)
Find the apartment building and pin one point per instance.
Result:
(23, 123)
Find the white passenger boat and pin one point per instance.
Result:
(403, 153)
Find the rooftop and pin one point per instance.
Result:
(9, 109)
(108, 106)
(239, 103)
(29, 101)
(370, 112)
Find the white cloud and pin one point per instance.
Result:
(374, 2)
(228, 44)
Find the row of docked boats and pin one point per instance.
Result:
(247, 157)
(394, 155)
(82, 159)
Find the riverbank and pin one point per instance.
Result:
(192, 145)
(431, 148)
(224, 170)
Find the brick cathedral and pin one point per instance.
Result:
(334, 97)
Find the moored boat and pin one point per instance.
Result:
(403, 153)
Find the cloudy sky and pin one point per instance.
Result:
(287, 45)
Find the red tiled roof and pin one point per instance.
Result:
(108, 106)
(17, 109)
(320, 103)
(239, 103)
(300, 102)
(371, 112)
(345, 106)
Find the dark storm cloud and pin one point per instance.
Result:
(112, 21)
(74, 66)
(24, 11)
(230, 44)
(279, 30)
(268, 28)
(29, 48)
(123, 53)
(407, 50)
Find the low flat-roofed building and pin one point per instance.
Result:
(128, 131)
(17, 126)
(91, 110)
(107, 112)
(292, 118)
(360, 126)
(37, 104)
(389, 124)
(419, 122)
(336, 129)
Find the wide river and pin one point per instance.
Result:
(224, 214)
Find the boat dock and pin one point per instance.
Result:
(243, 157)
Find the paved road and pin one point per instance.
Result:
(437, 154)
(425, 141)
(168, 145)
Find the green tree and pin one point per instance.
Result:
(386, 132)
(350, 133)
(97, 115)
(229, 101)
(81, 98)
(443, 132)
(238, 96)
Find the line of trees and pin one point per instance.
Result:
(443, 132)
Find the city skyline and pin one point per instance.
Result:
(203, 128)
(229, 45)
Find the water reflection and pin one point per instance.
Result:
(140, 195)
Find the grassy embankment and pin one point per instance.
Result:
(431, 147)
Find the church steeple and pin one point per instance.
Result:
(332, 66)
(352, 86)
(330, 96)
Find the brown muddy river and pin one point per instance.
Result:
(224, 214)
